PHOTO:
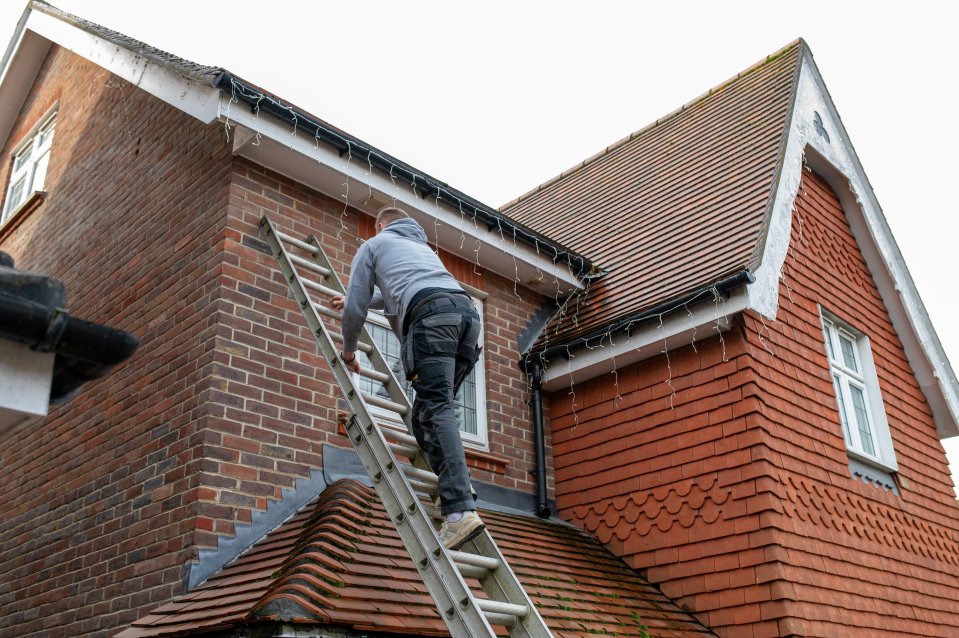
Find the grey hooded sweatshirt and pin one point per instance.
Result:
(399, 263)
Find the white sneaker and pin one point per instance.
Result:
(452, 535)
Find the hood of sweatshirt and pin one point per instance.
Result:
(408, 229)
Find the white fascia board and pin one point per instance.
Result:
(272, 143)
(680, 328)
(21, 64)
(195, 98)
(836, 161)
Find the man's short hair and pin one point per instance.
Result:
(389, 214)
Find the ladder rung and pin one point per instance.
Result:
(475, 560)
(500, 619)
(386, 404)
(468, 571)
(403, 450)
(326, 290)
(325, 311)
(310, 248)
(362, 347)
(396, 436)
(426, 489)
(496, 607)
(421, 476)
(432, 510)
(309, 265)
(376, 376)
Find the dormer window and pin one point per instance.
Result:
(861, 413)
(30, 162)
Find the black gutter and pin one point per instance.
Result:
(425, 185)
(31, 314)
(539, 438)
(722, 287)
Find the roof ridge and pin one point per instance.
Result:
(344, 505)
(188, 68)
(798, 42)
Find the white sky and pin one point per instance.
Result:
(497, 97)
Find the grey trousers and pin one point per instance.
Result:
(440, 350)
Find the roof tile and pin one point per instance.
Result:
(676, 206)
(340, 561)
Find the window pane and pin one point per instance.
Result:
(21, 158)
(465, 401)
(46, 133)
(466, 404)
(40, 174)
(829, 346)
(837, 384)
(17, 194)
(848, 353)
(390, 348)
(862, 420)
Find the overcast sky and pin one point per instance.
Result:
(495, 98)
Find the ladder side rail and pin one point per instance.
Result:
(321, 333)
(342, 375)
(378, 361)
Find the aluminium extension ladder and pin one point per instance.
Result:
(401, 485)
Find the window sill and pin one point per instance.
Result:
(21, 212)
(872, 462)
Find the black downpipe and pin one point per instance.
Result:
(539, 469)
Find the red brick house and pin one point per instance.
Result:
(743, 395)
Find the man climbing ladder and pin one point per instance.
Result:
(393, 460)
(438, 329)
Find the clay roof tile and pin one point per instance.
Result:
(576, 584)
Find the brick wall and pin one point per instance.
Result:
(722, 472)
(282, 402)
(99, 498)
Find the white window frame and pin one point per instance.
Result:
(857, 377)
(479, 440)
(35, 151)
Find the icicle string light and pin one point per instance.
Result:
(422, 186)
(717, 299)
(619, 398)
(598, 341)
(692, 341)
(346, 195)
